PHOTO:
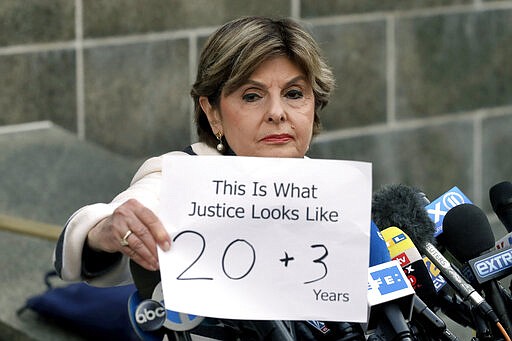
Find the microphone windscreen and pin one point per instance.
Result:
(501, 201)
(403, 206)
(145, 281)
(466, 232)
(501, 194)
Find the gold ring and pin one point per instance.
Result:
(124, 241)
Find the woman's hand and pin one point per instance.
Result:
(113, 234)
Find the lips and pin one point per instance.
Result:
(277, 138)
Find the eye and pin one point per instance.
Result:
(251, 97)
(294, 94)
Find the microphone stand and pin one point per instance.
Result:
(493, 294)
(427, 322)
(281, 332)
(395, 329)
(507, 297)
(483, 332)
(181, 336)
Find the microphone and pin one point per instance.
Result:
(436, 211)
(390, 294)
(313, 330)
(501, 202)
(504, 242)
(469, 223)
(379, 252)
(448, 301)
(183, 325)
(403, 250)
(437, 208)
(145, 281)
(403, 206)
(146, 318)
(151, 319)
(349, 331)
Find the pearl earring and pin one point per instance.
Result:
(220, 146)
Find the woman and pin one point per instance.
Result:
(260, 85)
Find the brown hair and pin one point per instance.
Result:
(237, 48)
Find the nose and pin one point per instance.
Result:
(276, 112)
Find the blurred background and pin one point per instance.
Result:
(91, 88)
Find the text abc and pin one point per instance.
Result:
(149, 315)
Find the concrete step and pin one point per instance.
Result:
(46, 174)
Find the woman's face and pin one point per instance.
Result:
(270, 115)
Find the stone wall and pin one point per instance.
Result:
(424, 87)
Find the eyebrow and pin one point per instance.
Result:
(290, 82)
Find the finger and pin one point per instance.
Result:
(140, 242)
(131, 253)
(155, 226)
(138, 251)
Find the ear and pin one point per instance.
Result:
(212, 114)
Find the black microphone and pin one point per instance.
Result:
(501, 201)
(430, 321)
(145, 280)
(468, 223)
(402, 206)
(148, 284)
(466, 232)
(313, 330)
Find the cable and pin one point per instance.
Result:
(503, 332)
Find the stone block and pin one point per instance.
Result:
(39, 86)
(137, 98)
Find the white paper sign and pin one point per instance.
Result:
(266, 238)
